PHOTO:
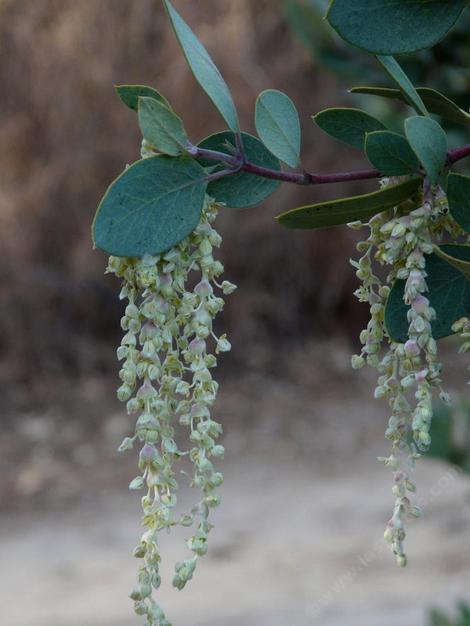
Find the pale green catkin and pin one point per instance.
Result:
(168, 353)
(409, 373)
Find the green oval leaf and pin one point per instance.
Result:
(278, 125)
(347, 125)
(461, 264)
(429, 142)
(161, 127)
(458, 195)
(203, 68)
(130, 94)
(443, 446)
(434, 101)
(153, 205)
(394, 70)
(449, 295)
(352, 209)
(394, 27)
(390, 153)
(240, 190)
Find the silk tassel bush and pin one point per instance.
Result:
(156, 221)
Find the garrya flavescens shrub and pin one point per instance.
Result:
(157, 223)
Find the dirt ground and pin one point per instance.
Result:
(297, 540)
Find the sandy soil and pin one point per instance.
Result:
(297, 540)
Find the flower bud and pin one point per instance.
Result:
(218, 451)
(357, 362)
(139, 552)
(204, 289)
(137, 483)
(424, 438)
(124, 393)
(127, 444)
(223, 345)
(140, 608)
(205, 247)
(228, 288)
(148, 454)
(136, 594)
(197, 346)
(132, 311)
(412, 348)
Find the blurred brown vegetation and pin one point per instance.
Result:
(65, 136)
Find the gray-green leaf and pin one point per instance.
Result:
(394, 27)
(429, 142)
(241, 190)
(130, 94)
(390, 153)
(203, 68)
(345, 210)
(152, 206)
(458, 194)
(434, 101)
(347, 125)
(393, 68)
(161, 127)
(458, 257)
(278, 125)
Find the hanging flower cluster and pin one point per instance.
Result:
(462, 326)
(168, 353)
(410, 372)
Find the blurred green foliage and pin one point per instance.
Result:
(326, 48)
(450, 432)
(436, 618)
(445, 67)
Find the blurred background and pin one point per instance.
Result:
(298, 538)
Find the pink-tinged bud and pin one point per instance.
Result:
(146, 391)
(162, 305)
(399, 477)
(416, 281)
(412, 348)
(197, 346)
(148, 453)
(202, 317)
(419, 325)
(420, 304)
(204, 288)
(204, 229)
(149, 330)
(416, 258)
(421, 376)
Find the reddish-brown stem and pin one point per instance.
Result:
(304, 178)
(457, 154)
(310, 179)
